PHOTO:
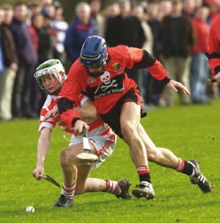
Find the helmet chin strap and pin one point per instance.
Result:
(96, 74)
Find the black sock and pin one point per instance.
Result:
(188, 169)
(145, 177)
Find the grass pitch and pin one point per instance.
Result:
(191, 132)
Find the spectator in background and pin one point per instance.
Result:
(127, 30)
(34, 8)
(139, 11)
(177, 50)
(60, 26)
(27, 62)
(44, 2)
(213, 9)
(8, 60)
(43, 43)
(189, 7)
(81, 27)
(48, 12)
(43, 38)
(156, 25)
(145, 82)
(199, 66)
(95, 6)
(10, 64)
(112, 11)
(198, 3)
(165, 8)
(2, 15)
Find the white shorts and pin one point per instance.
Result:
(104, 146)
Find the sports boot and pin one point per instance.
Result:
(144, 189)
(63, 202)
(124, 185)
(198, 178)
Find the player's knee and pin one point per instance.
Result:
(128, 130)
(153, 152)
(153, 155)
(65, 159)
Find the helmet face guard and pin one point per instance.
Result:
(94, 55)
(97, 73)
(55, 71)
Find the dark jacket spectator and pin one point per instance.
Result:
(27, 62)
(10, 64)
(9, 48)
(185, 37)
(23, 41)
(177, 50)
(125, 29)
(41, 37)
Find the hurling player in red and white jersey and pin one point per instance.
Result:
(50, 76)
(100, 74)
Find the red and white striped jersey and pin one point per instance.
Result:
(97, 125)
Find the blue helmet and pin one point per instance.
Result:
(93, 53)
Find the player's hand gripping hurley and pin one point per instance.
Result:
(86, 154)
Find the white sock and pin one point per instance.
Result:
(68, 191)
(112, 187)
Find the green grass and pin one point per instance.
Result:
(189, 131)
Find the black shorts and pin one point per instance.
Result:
(112, 118)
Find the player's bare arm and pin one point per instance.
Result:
(42, 151)
(87, 110)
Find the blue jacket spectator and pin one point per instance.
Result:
(81, 27)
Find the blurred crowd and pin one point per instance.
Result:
(173, 31)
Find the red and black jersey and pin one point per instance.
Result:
(214, 46)
(108, 88)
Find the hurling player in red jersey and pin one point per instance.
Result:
(100, 74)
(50, 76)
(213, 51)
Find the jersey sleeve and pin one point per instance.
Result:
(141, 59)
(68, 95)
(45, 124)
(157, 70)
(51, 122)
